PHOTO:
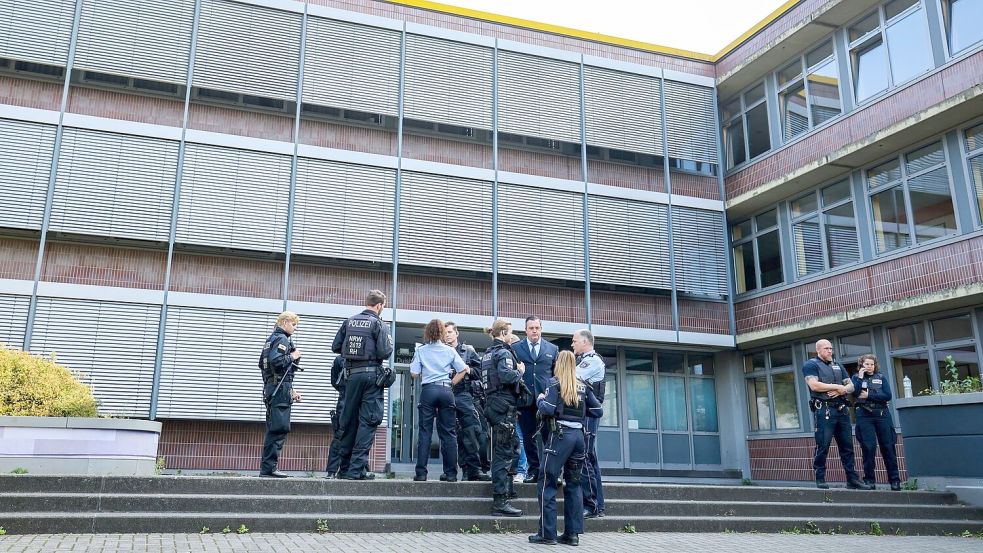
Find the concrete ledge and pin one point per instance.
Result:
(82, 422)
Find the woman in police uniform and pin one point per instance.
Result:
(563, 406)
(874, 427)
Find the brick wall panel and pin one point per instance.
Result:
(791, 459)
(703, 316)
(104, 266)
(687, 184)
(30, 94)
(541, 164)
(240, 122)
(626, 176)
(127, 107)
(455, 152)
(631, 310)
(444, 294)
(18, 258)
(227, 276)
(344, 286)
(553, 304)
(346, 137)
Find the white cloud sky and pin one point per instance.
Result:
(699, 25)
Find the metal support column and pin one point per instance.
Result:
(495, 181)
(293, 159)
(586, 203)
(665, 174)
(731, 287)
(399, 182)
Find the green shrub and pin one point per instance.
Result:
(34, 386)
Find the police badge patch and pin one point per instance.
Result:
(282, 347)
(508, 362)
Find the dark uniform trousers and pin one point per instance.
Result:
(500, 410)
(361, 416)
(277, 424)
(875, 428)
(437, 402)
(836, 427)
(532, 442)
(484, 451)
(564, 451)
(334, 451)
(591, 478)
(470, 435)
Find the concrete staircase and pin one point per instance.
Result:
(185, 504)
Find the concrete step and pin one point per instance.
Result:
(197, 485)
(185, 522)
(462, 506)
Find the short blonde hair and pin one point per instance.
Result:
(287, 317)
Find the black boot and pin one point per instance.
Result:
(512, 493)
(855, 484)
(821, 484)
(502, 507)
(477, 477)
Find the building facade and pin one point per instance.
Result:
(175, 173)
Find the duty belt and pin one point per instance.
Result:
(359, 370)
(820, 403)
(875, 406)
(362, 364)
(448, 384)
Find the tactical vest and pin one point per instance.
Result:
(489, 368)
(829, 374)
(599, 386)
(464, 385)
(269, 374)
(570, 413)
(359, 342)
(875, 383)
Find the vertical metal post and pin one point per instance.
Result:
(291, 202)
(175, 205)
(665, 174)
(495, 181)
(399, 181)
(586, 203)
(52, 177)
(728, 252)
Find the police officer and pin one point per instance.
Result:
(566, 404)
(334, 451)
(590, 369)
(872, 393)
(538, 356)
(277, 363)
(364, 342)
(470, 430)
(435, 362)
(501, 374)
(829, 385)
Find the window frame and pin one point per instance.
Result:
(946, 23)
(904, 182)
(803, 77)
(931, 347)
(741, 116)
(768, 372)
(968, 155)
(819, 213)
(880, 33)
(752, 238)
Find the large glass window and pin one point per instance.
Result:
(919, 350)
(974, 160)
(757, 252)
(641, 402)
(809, 91)
(611, 416)
(910, 199)
(888, 47)
(770, 383)
(824, 229)
(963, 23)
(746, 134)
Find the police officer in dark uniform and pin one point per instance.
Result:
(470, 431)
(277, 364)
(829, 385)
(501, 374)
(872, 393)
(566, 404)
(334, 451)
(364, 342)
(590, 369)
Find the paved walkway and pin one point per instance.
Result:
(458, 543)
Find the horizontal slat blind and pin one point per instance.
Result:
(13, 320)
(698, 248)
(26, 150)
(623, 111)
(445, 222)
(147, 38)
(690, 122)
(36, 31)
(351, 66)
(110, 346)
(628, 243)
(548, 245)
(448, 82)
(538, 97)
(343, 210)
(248, 49)
(114, 185)
(233, 198)
(209, 365)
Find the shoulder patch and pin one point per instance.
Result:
(508, 362)
(585, 363)
(877, 381)
(282, 347)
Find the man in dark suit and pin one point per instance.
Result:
(539, 356)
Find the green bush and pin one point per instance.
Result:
(33, 386)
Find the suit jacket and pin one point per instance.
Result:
(538, 370)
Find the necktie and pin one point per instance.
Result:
(535, 350)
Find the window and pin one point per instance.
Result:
(850, 348)
(809, 91)
(919, 350)
(910, 199)
(770, 383)
(974, 161)
(757, 252)
(746, 126)
(610, 356)
(889, 47)
(962, 19)
(824, 229)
